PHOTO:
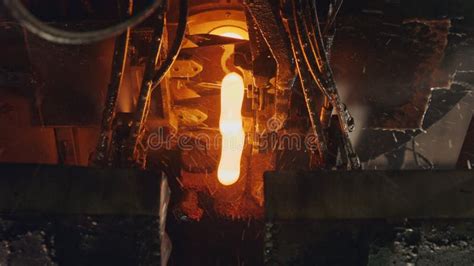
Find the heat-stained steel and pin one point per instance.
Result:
(143, 104)
(425, 42)
(264, 65)
(323, 195)
(372, 217)
(82, 216)
(272, 29)
(308, 87)
(399, 67)
(307, 35)
(118, 67)
(152, 82)
(441, 102)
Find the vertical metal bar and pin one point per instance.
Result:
(273, 31)
(308, 92)
(153, 78)
(314, 52)
(119, 62)
(146, 87)
(118, 66)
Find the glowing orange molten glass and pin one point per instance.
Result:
(231, 128)
(231, 32)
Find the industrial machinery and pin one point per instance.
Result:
(211, 95)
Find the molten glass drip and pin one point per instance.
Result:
(231, 129)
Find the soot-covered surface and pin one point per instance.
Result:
(370, 242)
(79, 240)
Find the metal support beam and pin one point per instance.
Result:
(323, 195)
(64, 190)
(54, 215)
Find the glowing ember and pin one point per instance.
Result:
(230, 125)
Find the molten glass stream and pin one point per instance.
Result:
(231, 129)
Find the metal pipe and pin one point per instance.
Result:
(311, 45)
(116, 76)
(52, 34)
(151, 80)
(273, 31)
(176, 48)
(345, 119)
(308, 92)
(332, 16)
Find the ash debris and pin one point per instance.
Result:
(79, 240)
(24, 247)
(427, 244)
